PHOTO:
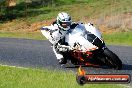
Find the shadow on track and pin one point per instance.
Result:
(127, 67)
(77, 66)
(124, 67)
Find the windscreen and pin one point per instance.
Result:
(93, 39)
(81, 31)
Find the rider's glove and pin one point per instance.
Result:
(63, 49)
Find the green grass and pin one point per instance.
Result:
(42, 78)
(30, 35)
(121, 38)
(77, 8)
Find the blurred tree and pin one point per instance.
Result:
(11, 3)
(12, 9)
(2, 7)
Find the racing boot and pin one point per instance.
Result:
(62, 61)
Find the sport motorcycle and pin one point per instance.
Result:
(85, 46)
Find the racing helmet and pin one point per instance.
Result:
(64, 21)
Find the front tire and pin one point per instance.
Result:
(112, 60)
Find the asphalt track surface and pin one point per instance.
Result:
(38, 53)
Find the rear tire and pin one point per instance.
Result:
(112, 60)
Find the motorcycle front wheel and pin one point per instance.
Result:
(112, 60)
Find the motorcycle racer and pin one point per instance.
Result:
(60, 28)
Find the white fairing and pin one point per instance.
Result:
(78, 35)
(89, 27)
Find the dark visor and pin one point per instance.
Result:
(65, 24)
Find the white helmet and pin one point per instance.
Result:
(64, 21)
